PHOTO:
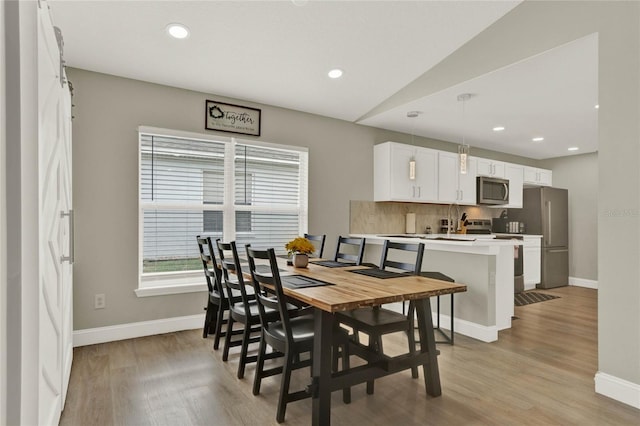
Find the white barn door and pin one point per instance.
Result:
(55, 223)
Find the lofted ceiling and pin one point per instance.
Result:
(279, 53)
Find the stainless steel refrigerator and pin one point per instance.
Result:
(545, 212)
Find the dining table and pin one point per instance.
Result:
(335, 288)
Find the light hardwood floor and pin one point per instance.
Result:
(540, 371)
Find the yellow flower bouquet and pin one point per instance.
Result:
(299, 245)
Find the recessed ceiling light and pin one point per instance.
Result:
(178, 31)
(498, 128)
(573, 148)
(597, 106)
(335, 73)
(538, 139)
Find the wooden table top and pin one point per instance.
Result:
(353, 291)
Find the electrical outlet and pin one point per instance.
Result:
(99, 301)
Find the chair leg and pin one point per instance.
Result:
(257, 379)
(227, 339)
(219, 322)
(207, 319)
(284, 387)
(244, 349)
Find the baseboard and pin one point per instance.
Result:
(583, 282)
(470, 329)
(92, 336)
(618, 389)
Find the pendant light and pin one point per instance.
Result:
(412, 160)
(463, 149)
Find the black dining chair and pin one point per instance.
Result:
(318, 243)
(377, 321)
(348, 256)
(217, 302)
(244, 312)
(292, 334)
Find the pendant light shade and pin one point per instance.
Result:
(463, 148)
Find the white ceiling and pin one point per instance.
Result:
(278, 53)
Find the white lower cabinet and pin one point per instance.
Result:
(532, 252)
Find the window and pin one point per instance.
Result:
(253, 193)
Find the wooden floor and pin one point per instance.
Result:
(541, 371)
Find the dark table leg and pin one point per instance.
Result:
(428, 344)
(323, 329)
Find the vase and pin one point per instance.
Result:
(300, 260)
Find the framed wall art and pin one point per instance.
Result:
(231, 118)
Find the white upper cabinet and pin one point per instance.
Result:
(394, 179)
(491, 168)
(421, 175)
(515, 174)
(538, 177)
(454, 187)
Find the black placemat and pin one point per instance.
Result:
(381, 273)
(300, 281)
(332, 263)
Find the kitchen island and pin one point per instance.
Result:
(483, 263)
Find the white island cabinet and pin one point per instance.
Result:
(531, 263)
(485, 265)
(405, 173)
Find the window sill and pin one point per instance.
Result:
(170, 289)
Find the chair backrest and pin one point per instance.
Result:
(267, 299)
(318, 243)
(212, 273)
(415, 267)
(231, 267)
(358, 243)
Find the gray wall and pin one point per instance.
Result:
(107, 112)
(579, 174)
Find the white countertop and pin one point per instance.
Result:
(434, 240)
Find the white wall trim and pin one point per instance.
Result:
(583, 282)
(618, 389)
(92, 336)
(480, 332)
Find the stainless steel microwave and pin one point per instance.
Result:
(492, 190)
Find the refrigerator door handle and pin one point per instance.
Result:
(557, 250)
(548, 242)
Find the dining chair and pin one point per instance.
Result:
(377, 321)
(244, 312)
(217, 303)
(317, 240)
(357, 245)
(292, 334)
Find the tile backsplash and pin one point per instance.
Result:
(369, 217)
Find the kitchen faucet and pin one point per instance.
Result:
(449, 218)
